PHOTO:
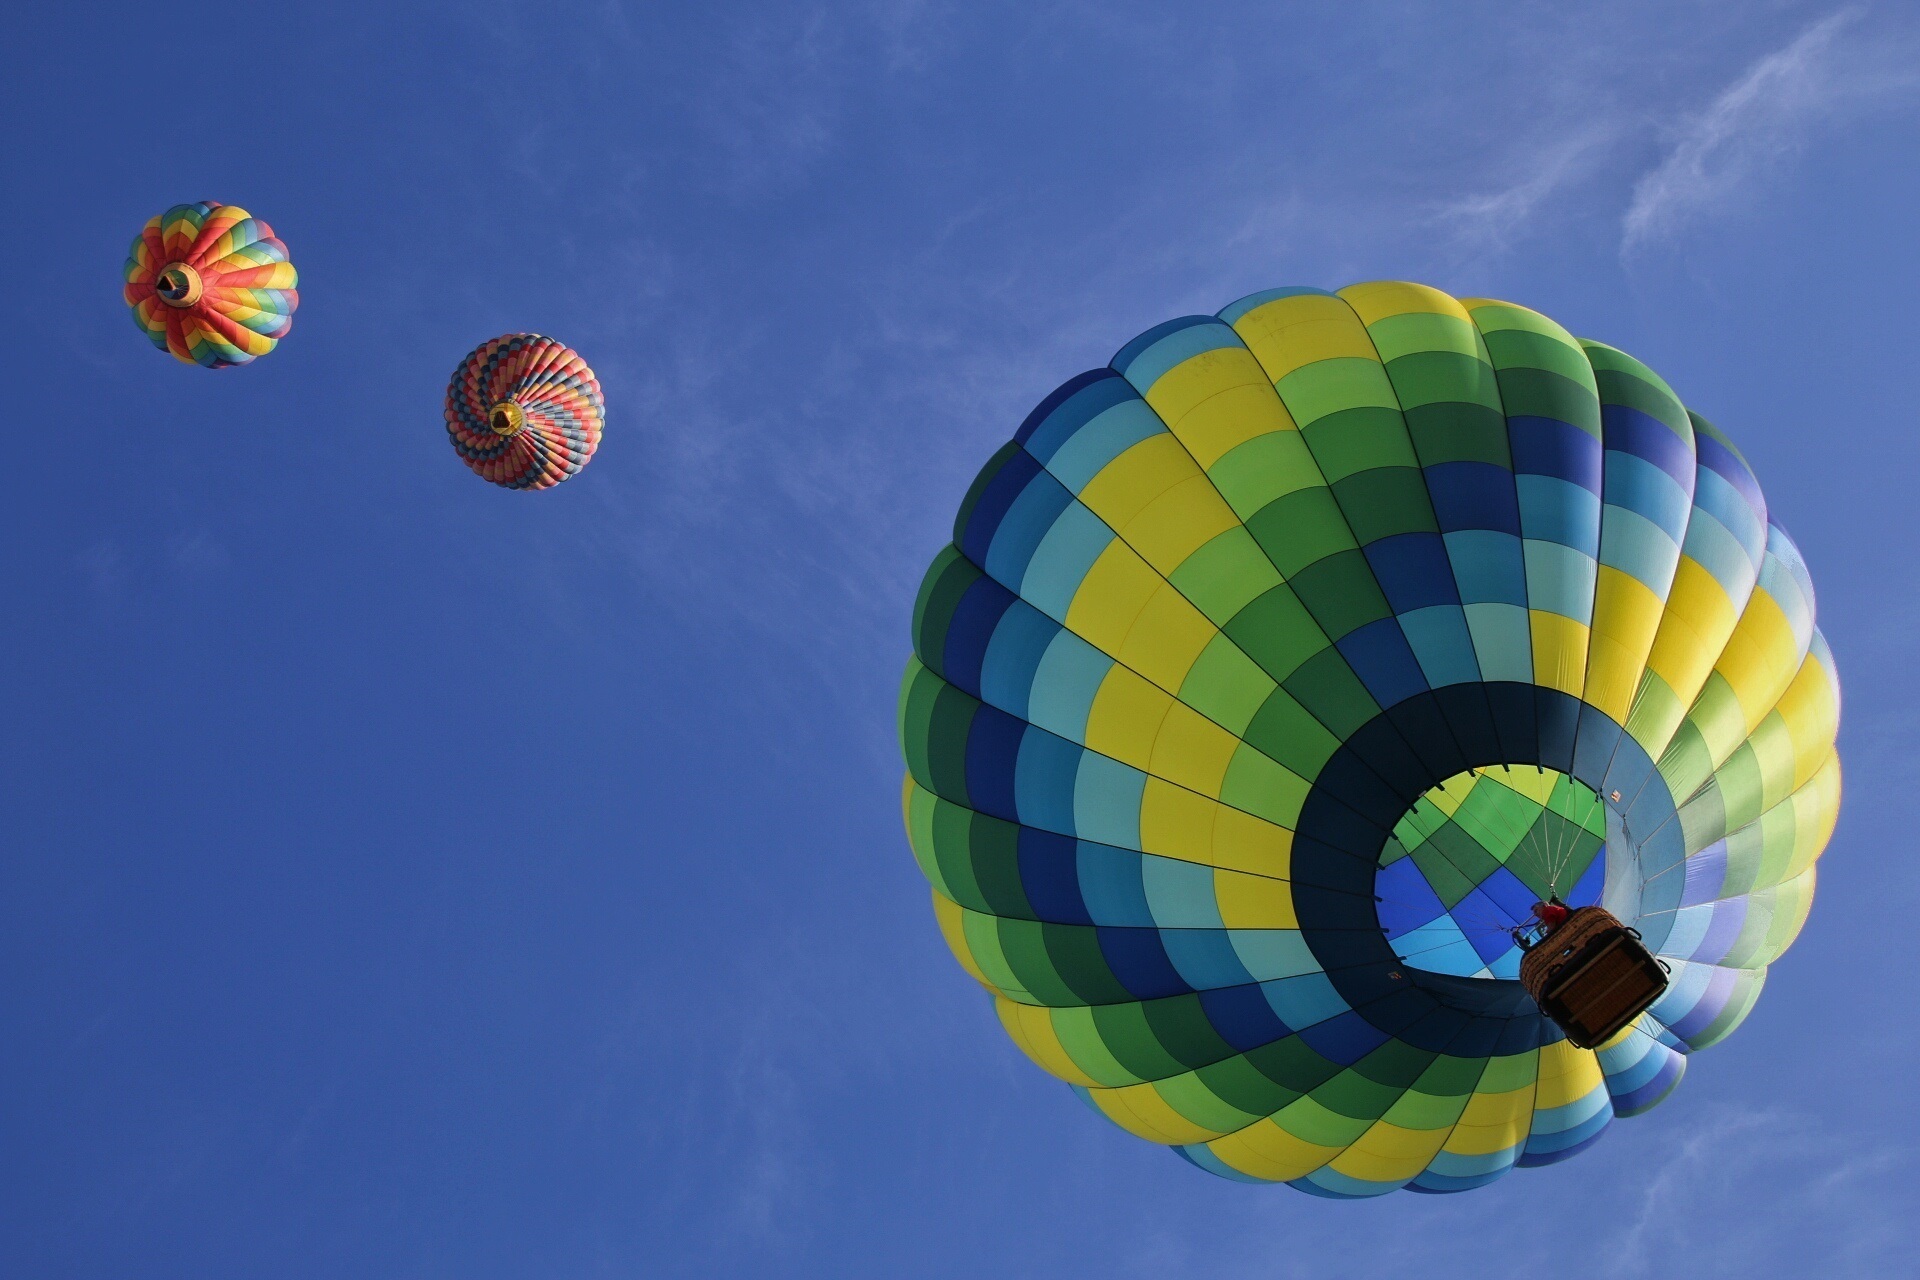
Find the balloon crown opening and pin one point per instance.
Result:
(506, 418)
(178, 285)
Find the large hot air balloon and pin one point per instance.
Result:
(524, 411)
(1278, 669)
(210, 283)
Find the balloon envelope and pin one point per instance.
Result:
(524, 411)
(1278, 668)
(211, 284)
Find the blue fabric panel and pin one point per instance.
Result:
(1140, 963)
(1050, 877)
(1474, 495)
(1110, 885)
(1069, 405)
(1488, 567)
(1242, 1016)
(1379, 655)
(1553, 510)
(1082, 456)
(1013, 656)
(1026, 521)
(1629, 431)
(1549, 447)
(1060, 563)
(1044, 777)
(1412, 570)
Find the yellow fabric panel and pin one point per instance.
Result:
(1291, 333)
(1125, 717)
(951, 916)
(1377, 299)
(1761, 658)
(1217, 401)
(1253, 902)
(1493, 1122)
(1031, 1028)
(1176, 823)
(1567, 1074)
(1166, 637)
(1699, 618)
(1626, 616)
(1810, 710)
(1125, 486)
(1192, 750)
(1111, 596)
(1816, 808)
(1265, 1150)
(1559, 652)
(1242, 842)
(1185, 517)
(1388, 1153)
(1141, 1111)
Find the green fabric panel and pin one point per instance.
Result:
(1225, 686)
(1352, 1094)
(1079, 1035)
(946, 581)
(1416, 1110)
(1299, 529)
(1326, 686)
(1075, 954)
(1190, 1098)
(993, 849)
(1262, 787)
(1637, 393)
(1287, 732)
(1180, 1024)
(1450, 1077)
(951, 829)
(1384, 502)
(982, 935)
(1238, 1083)
(1521, 349)
(1024, 944)
(1360, 439)
(1395, 1064)
(1277, 632)
(1270, 466)
(979, 486)
(1512, 1072)
(1443, 377)
(1540, 393)
(1292, 1064)
(1133, 1041)
(1413, 332)
(1456, 432)
(1341, 593)
(1313, 391)
(1224, 574)
(1312, 1121)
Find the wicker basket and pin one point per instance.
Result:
(1592, 976)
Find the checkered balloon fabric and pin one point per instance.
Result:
(1276, 670)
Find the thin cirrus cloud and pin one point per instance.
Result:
(1835, 68)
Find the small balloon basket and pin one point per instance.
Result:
(1593, 976)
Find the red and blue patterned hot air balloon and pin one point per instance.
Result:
(524, 411)
(211, 283)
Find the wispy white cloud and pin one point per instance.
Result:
(1485, 221)
(1764, 118)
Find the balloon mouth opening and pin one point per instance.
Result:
(179, 285)
(1465, 866)
(506, 418)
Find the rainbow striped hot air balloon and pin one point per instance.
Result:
(210, 283)
(524, 411)
(1279, 667)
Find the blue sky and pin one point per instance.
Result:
(408, 878)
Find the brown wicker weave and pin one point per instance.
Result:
(1592, 976)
